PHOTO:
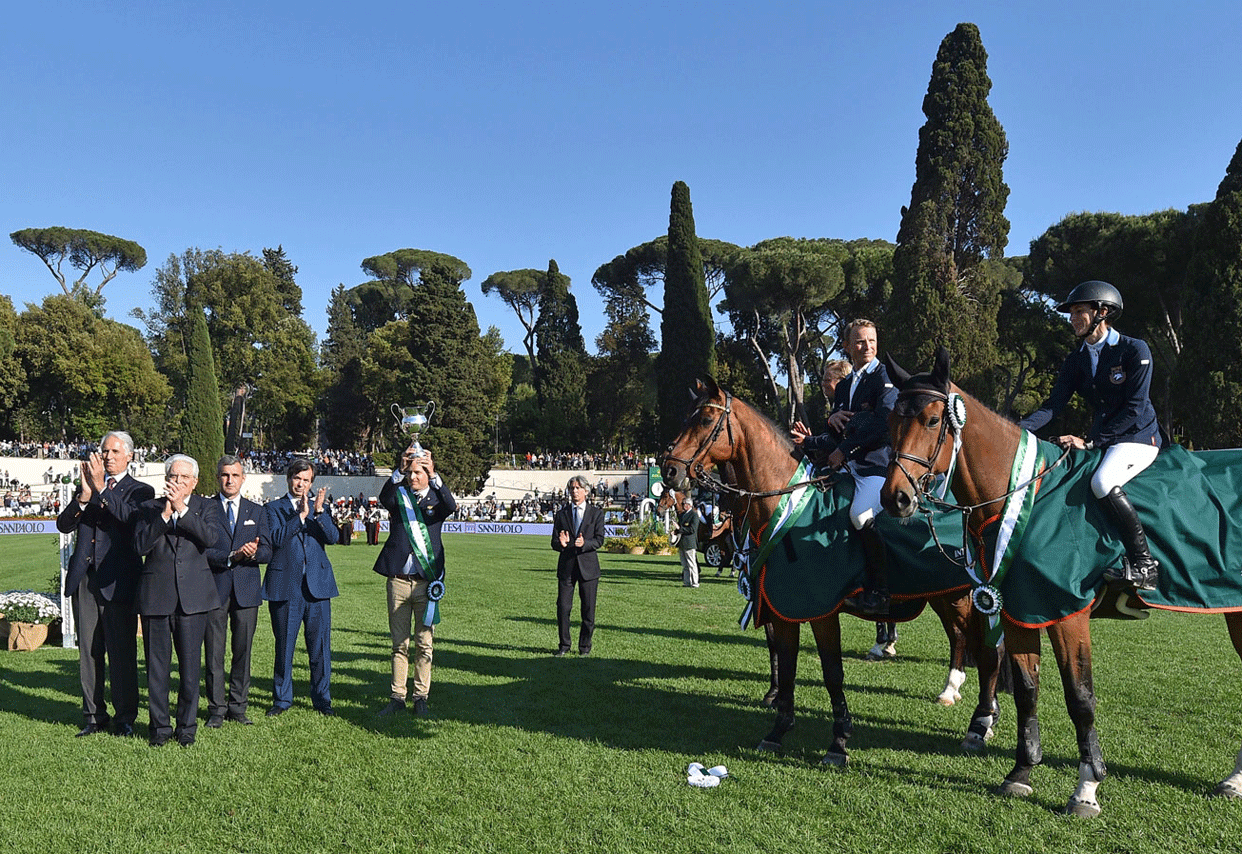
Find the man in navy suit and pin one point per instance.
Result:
(299, 586)
(577, 534)
(858, 438)
(101, 578)
(239, 582)
(180, 535)
(418, 502)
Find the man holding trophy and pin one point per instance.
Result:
(418, 502)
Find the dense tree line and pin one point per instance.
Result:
(408, 333)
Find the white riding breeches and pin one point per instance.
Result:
(1121, 462)
(866, 503)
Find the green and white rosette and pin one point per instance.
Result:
(788, 511)
(986, 596)
(420, 543)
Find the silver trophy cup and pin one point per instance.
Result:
(413, 420)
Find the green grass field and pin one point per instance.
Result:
(527, 753)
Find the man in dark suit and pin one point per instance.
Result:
(418, 502)
(299, 586)
(180, 535)
(858, 437)
(239, 582)
(101, 578)
(577, 534)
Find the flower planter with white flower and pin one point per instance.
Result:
(24, 618)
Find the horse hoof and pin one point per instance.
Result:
(1010, 789)
(835, 760)
(1082, 809)
(1227, 789)
(767, 746)
(948, 698)
(768, 700)
(975, 744)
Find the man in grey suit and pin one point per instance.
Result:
(101, 578)
(577, 534)
(239, 582)
(179, 535)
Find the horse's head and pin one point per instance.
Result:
(706, 437)
(922, 420)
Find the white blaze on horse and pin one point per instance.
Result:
(757, 461)
(937, 429)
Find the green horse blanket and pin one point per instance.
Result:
(1053, 555)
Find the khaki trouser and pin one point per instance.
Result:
(407, 603)
(689, 567)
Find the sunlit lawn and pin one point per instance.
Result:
(525, 752)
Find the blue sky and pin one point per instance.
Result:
(510, 133)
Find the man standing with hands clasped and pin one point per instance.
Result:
(180, 535)
(239, 581)
(577, 533)
(418, 502)
(299, 586)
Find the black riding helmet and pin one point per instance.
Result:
(1100, 293)
(1097, 294)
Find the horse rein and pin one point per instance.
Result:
(696, 472)
(923, 493)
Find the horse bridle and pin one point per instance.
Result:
(696, 472)
(722, 424)
(923, 482)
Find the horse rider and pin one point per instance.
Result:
(857, 439)
(1113, 372)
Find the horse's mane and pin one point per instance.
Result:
(909, 402)
(781, 434)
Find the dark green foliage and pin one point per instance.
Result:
(520, 290)
(561, 365)
(446, 360)
(955, 219)
(620, 396)
(12, 376)
(86, 375)
(1210, 386)
(1147, 258)
(429, 349)
(276, 262)
(789, 300)
(348, 414)
(85, 250)
(687, 335)
(255, 338)
(203, 431)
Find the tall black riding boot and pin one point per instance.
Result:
(1140, 569)
(875, 592)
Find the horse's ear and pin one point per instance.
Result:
(710, 386)
(940, 371)
(896, 372)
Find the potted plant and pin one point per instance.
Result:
(26, 616)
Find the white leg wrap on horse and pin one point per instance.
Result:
(952, 688)
(1083, 801)
(1231, 786)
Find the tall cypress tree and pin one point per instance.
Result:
(561, 365)
(203, 433)
(941, 292)
(687, 337)
(1211, 378)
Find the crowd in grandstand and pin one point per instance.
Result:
(581, 461)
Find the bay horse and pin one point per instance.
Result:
(931, 416)
(722, 430)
